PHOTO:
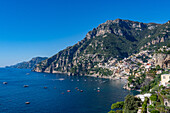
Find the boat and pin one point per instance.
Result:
(61, 79)
(62, 93)
(5, 83)
(26, 85)
(27, 73)
(68, 90)
(27, 102)
(45, 87)
(81, 90)
(76, 88)
(98, 90)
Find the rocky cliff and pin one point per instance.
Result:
(112, 39)
(28, 65)
(163, 60)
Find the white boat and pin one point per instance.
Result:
(27, 102)
(5, 83)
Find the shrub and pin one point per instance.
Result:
(117, 105)
(111, 111)
(153, 97)
(130, 104)
(155, 111)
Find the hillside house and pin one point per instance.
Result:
(165, 78)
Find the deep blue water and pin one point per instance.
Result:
(51, 100)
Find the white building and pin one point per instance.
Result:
(142, 97)
(165, 78)
(167, 102)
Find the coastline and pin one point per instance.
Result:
(107, 77)
(96, 76)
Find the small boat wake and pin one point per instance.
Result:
(61, 79)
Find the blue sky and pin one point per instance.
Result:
(30, 28)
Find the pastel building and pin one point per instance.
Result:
(165, 78)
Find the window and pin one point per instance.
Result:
(164, 77)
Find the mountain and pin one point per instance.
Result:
(28, 65)
(112, 39)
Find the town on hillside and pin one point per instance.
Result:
(148, 72)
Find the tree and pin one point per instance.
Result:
(144, 105)
(117, 105)
(163, 92)
(158, 67)
(153, 97)
(130, 104)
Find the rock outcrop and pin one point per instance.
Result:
(163, 60)
(112, 39)
(28, 65)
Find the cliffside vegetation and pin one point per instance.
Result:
(112, 39)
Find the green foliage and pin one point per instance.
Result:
(136, 81)
(167, 108)
(130, 78)
(117, 105)
(153, 97)
(144, 105)
(161, 99)
(155, 88)
(151, 84)
(102, 71)
(158, 67)
(130, 104)
(144, 108)
(111, 111)
(105, 72)
(119, 111)
(155, 111)
(151, 107)
(151, 73)
(163, 92)
(145, 88)
(139, 64)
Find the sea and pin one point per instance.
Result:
(57, 93)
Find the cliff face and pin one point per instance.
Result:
(163, 60)
(28, 65)
(112, 39)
